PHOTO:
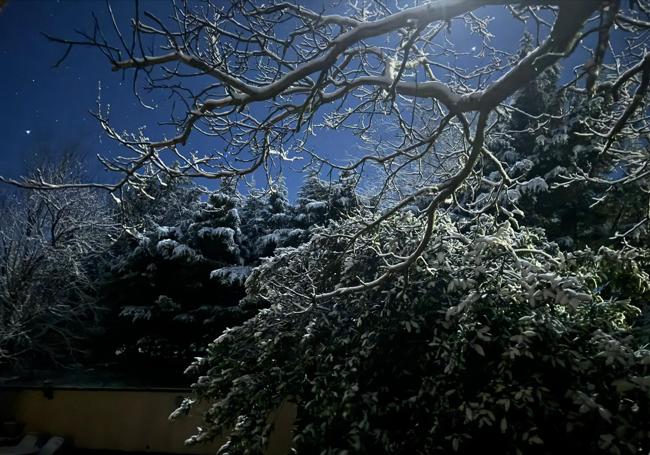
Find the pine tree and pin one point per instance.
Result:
(175, 286)
(172, 291)
(320, 201)
(270, 221)
(547, 139)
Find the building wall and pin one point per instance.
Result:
(120, 420)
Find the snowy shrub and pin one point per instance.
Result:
(494, 340)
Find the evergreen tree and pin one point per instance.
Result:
(174, 289)
(320, 201)
(163, 201)
(546, 139)
(270, 221)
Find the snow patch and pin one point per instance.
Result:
(234, 275)
(166, 247)
(534, 185)
(168, 231)
(317, 206)
(217, 232)
(183, 252)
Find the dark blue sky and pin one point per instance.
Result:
(45, 109)
(48, 108)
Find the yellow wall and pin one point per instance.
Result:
(120, 420)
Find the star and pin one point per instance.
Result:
(28, 132)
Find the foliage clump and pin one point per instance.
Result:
(494, 338)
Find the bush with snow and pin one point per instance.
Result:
(494, 339)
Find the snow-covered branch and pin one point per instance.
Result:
(260, 80)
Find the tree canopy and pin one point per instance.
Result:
(259, 79)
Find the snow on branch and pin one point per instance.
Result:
(259, 80)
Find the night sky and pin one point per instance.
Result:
(45, 109)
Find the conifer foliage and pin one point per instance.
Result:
(546, 145)
(173, 286)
